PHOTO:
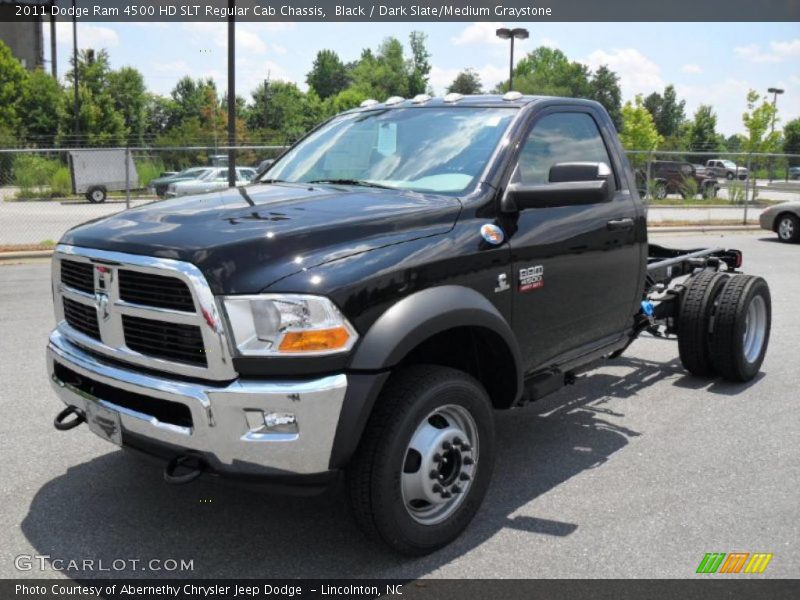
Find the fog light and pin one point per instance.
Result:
(279, 422)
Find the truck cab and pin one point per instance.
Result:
(363, 307)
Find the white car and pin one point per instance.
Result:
(213, 180)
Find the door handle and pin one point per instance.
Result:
(619, 224)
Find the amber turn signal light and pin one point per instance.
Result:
(314, 340)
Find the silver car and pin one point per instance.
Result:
(214, 180)
(783, 219)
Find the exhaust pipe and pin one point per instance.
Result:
(191, 465)
(62, 425)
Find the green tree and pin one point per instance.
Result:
(466, 82)
(328, 75)
(668, 113)
(419, 66)
(12, 82)
(548, 71)
(41, 108)
(159, 114)
(99, 121)
(733, 143)
(384, 74)
(604, 88)
(190, 98)
(129, 94)
(703, 130)
(638, 130)
(791, 140)
(280, 110)
(758, 120)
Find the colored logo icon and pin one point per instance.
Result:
(492, 234)
(735, 562)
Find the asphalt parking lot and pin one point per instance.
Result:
(636, 471)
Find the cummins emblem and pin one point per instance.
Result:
(502, 283)
(531, 278)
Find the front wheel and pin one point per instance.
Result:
(425, 461)
(788, 229)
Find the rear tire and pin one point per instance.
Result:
(431, 433)
(96, 194)
(697, 309)
(788, 229)
(661, 191)
(741, 328)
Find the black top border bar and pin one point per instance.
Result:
(406, 10)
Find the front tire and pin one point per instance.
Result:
(742, 325)
(788, 229)
(425, 461)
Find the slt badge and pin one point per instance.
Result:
(492, 234)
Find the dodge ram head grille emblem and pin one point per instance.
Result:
(101, 304)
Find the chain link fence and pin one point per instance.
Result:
(713, 188)
(44, 192)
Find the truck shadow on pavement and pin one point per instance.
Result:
(116, 506)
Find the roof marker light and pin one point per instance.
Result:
(511, 96)
(394, 100)
(420, 98)
(368, 102)
(453, 97)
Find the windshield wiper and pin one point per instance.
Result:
(359, 182)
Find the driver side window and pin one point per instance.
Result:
(560, 138)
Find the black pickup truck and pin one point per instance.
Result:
(398, 275)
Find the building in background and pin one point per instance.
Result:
(25, 38)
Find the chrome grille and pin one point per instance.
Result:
(156, 313)
(82, 317)
(78, 275)
(154, 290)
(173, 341)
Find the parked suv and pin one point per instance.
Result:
(678, 177)
(726, 168)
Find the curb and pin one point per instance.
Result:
(25, 254)
(702, 228)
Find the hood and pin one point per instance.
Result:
(245, 239)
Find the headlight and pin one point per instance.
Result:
(287, 324)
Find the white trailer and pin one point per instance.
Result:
(95, 172)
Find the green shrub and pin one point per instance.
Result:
(33, 175)
(61, 183)
(688, 188)
(148, 170)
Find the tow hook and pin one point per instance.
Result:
(62, 425)
(191, 465)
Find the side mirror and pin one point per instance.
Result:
(569, 184)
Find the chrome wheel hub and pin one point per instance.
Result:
(786, 229)
(755, 329)
(440, 464)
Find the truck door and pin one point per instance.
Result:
(576, 268)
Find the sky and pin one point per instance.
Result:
(710, 63)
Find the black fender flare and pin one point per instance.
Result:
(399, 330)
(422, 315)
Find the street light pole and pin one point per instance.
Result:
(774, 91)
(504, 33)
(77, 128)
(231, 94)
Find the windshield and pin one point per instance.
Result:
(440, 150)
(197, 171)
(729, 164)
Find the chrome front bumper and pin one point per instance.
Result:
(227, 419)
